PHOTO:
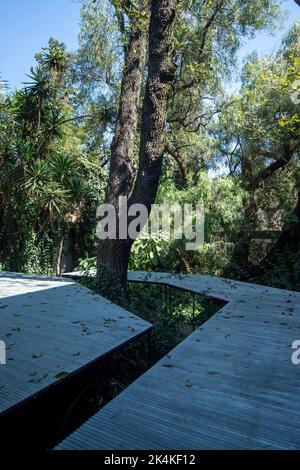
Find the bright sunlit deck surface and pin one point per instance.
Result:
(52, 329)
(230, 385)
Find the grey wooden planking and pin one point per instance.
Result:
(229, 385)
(53, 326)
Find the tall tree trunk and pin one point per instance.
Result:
(59, 255)
(10, 258)
(240, 265)
(239, 262)
(160, 79)
(288, 240)
(161, 70)
(121, 171)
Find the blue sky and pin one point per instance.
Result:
(265, 42)
(26, 26)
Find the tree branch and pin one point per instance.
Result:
(178, 157)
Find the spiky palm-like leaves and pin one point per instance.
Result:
(54, 58)
(54, 198)
(64, 168)
(41, 186)
(53, 124)
(39, 85)
(37, 176)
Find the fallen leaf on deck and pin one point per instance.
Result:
(38, 380)
(61, 375)
(37, 355)
(188, 383)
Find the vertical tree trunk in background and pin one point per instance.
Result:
(288, 240)
(240, 264)
(121, 171)
(59, 255)
(10, 255)
(161, 75)
(161, 70)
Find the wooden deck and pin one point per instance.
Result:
(229, 385)
(54, 328)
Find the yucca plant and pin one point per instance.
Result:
(37, 176)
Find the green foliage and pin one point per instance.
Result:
(222, 199)
(88, 264)
(105, 283)
(55, 136)
(173, 313)
(150, 254)
(285, 274)
(42, 158)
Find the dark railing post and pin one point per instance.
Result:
(149, 348)
(128, 291)
(166, 302)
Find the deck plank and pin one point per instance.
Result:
(52, 326)
(229, 385)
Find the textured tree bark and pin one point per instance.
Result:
(288, 240)
(240, 265)
(121, 171)
(59, 255)
(175, 153)
(115, 254)
(161, 73)
(8, 255)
